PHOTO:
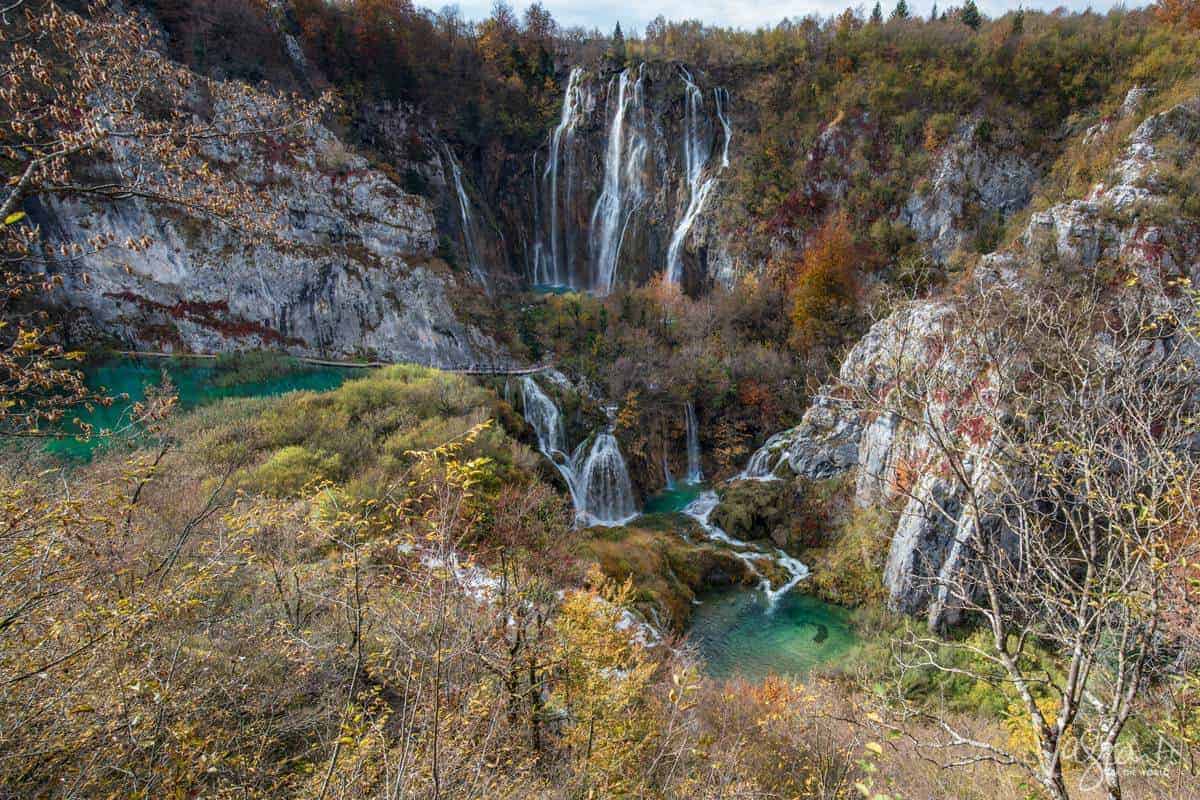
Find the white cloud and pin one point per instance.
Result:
(603, 14)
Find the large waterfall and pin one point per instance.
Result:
(468, 222)
(696, 147)
(559, 253)
(554, 264)
(624, 190)
(694, 474)
(596, 477)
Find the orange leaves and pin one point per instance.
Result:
(824, 283)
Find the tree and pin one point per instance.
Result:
(89, 88)
(970, 15)
(900, 11)
(933, 15)
(1184, 13)
(1018, 22)
(877, 14)
(1058, 425)
(617, 48)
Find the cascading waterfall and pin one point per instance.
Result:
(468, 225)
(765, 460)
(701, 509)
(596, 477)
(604, 484)
(694, 474)
(623, 190)
(554, 264)
(696, 154)
(720, 100)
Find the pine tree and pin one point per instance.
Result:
(877, 15)
(618, 45)
(970, 15)
(1018, 21)
(900, 11)
(933, 15)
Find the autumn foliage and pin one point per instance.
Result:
(823, 287)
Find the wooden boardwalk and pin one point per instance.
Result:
(480, 370)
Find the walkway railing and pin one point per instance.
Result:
(468, 369)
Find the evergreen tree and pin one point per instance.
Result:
(933, 15)
(970, 15)
(900, 11)
(1018, 21)
(618, 45)
(877, 15)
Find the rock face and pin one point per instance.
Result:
(895, 459)
(969, 177)
(351, 270)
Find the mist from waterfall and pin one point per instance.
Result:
(553, 263)
(597, 477)
(696, 151)
(623, 189)
(694, 472)
(468, 224)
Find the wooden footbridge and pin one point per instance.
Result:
(480, 370)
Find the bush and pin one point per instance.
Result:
(289, 470)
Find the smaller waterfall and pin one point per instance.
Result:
(468, 225)
(694, 474)
(623, 189)
(766, 459)
(604, 485)
(701, 509)
(597, 478)
(696, 154)
(721, 99)
(553, 265)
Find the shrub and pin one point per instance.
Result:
(289, 470)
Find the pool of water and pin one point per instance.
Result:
(673, 499)
(547, 288)
(739, 635)
(195, 382)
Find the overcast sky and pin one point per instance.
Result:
(634, 15)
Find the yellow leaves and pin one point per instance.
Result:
(14, 218)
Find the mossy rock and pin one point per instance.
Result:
(667, 571)
(757, 510)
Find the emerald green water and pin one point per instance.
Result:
(673, 499)
(738, 636)
(195, 381)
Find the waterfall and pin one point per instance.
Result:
(696, 147)
(765, 460)
(701, 509)
(597, 478)
(720, 99)
(694, 474)
(604, 484)
(553, 265)
(623, 190)
(468, 226)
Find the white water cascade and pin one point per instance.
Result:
(623, 189)
(694, 472)
(696, 145)
(554, 264)
(701, 509)
(766, 459)
(604, 485)
(597, 478)
(468, 224)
